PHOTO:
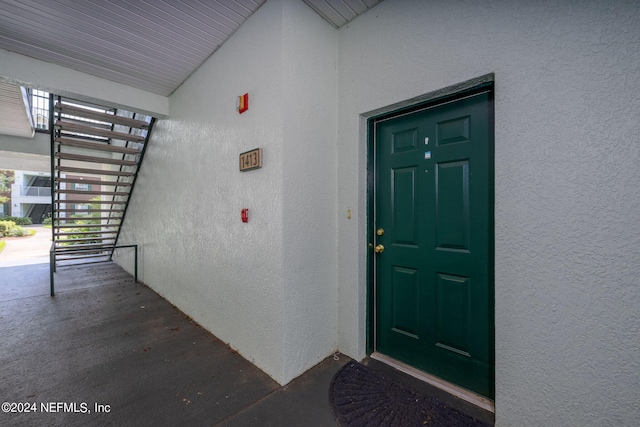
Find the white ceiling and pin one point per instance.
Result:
(339, 12)
(153, 45)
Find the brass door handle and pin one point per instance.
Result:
(379, 249)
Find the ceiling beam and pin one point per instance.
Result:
(36, 74)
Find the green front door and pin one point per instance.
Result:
(434, 240)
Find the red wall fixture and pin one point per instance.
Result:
(243, 103)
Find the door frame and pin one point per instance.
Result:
(433, 99)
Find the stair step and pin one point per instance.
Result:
(94, 182)
(91, 210)
(92, 159)
(95, 115)
(98, 139)
(96, 146)
(85, 233)
(96, 193)
(71, 257)
(86, 221)
(88, 239)
(93, 171)
(88, 214)
(79, 252)
(59, 227)
(82, 247)
(93, 202)
(84, 122)
(88, 218)
(65, 125)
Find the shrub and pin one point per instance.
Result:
(74, 219)
(46, 220)
(18, 231)
(23, 221)
(6, 227)
(10, 229)
(18, 220)
(69, 240)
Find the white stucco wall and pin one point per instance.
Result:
(267, 287)
(567, 144)
(185, 212)
(309, 180)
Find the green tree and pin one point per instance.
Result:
(6, 179)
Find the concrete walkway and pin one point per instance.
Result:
(106, 340)
(111, 352)
(27, 250)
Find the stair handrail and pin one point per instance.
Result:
(133, 181)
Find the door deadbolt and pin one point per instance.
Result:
(380, 232)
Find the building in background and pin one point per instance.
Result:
(31, 195)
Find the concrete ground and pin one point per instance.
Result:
(108, 351)
(27, 250)
(116, 353)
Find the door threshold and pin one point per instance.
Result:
(464, 394)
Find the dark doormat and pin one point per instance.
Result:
(360, 397)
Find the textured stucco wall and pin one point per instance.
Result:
(567, 186)
(267, 287)
(309, 188)
(185, 211)
(567, 190)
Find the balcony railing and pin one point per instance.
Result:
(34, 191)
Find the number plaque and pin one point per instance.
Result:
(250, 160)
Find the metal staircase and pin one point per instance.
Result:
(96, 154)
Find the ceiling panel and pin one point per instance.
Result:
(339, 12)
(153, 45)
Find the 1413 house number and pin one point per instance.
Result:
(251, 160)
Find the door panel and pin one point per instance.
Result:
(434, 281)
(452, 331)
(405, 216)
(452, 206)
(405, 301)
